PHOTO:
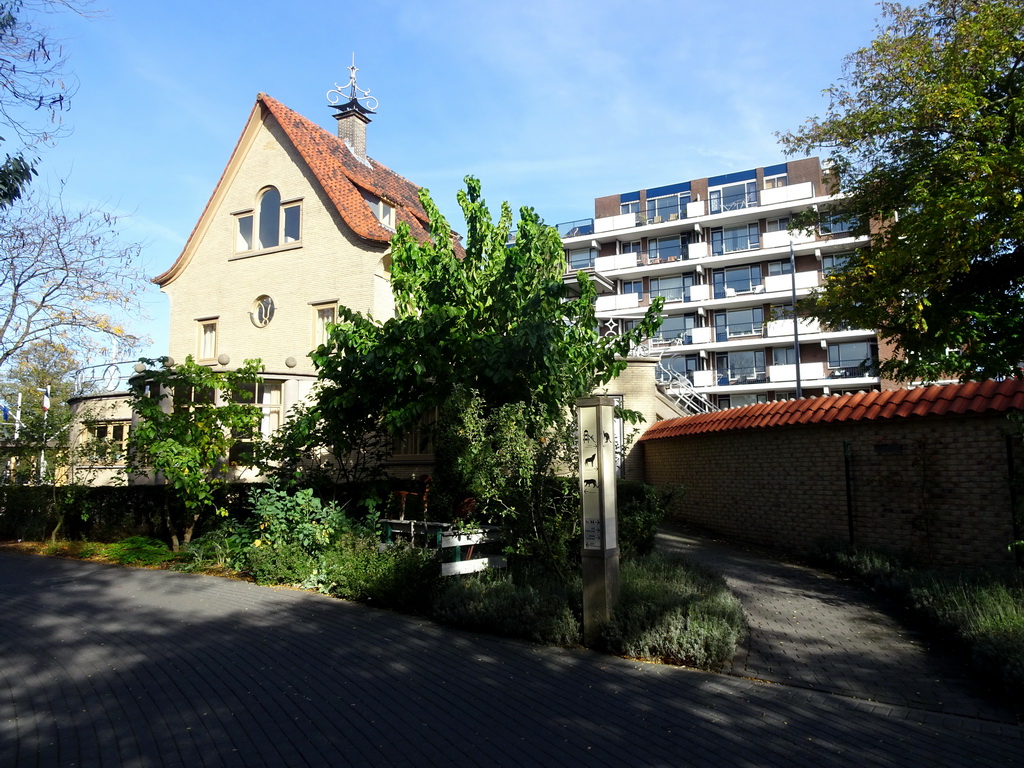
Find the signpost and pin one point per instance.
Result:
(597, 499)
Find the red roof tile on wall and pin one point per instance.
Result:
(342, 176)
(972, 397)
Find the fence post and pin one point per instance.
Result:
(597, 502)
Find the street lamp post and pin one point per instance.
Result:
(796, 322)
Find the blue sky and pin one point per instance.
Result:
(549, 103)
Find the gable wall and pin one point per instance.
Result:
(331, 263)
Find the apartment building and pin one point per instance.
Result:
(722, 254)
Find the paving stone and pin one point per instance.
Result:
(810, 629)
(181, 670)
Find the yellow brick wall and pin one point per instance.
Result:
(937, 486)
(330, 264)
(638, 389)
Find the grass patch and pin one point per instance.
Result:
(669, 611)
(675, 612)
(982, 609)
(139, 551)
(530, 604)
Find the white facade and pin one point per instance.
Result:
(720, 251)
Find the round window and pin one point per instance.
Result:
(262, 311)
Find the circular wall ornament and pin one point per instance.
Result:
(262, 311)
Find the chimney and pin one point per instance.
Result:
(352, 121)
(353, 110)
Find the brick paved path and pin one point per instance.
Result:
(810, 629)
(101, 666)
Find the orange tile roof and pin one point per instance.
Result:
(342, 177)
(972, 397)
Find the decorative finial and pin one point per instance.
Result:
(356, 96)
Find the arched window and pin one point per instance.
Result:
(270, 218)
(273, 223)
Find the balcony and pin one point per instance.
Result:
(784, 374)
(665, 212)
(740, 376)
(783, 238)
(702, 335)
(696, 250)
(663, 257)
(784, 327)
(787, 194)
(734, 197)
(619, 221)
(617, 261)
(104, 377)
(737, 289)
(576, 228)
(739, 331)
(699, 293)
(617, 301)
(860, 371)
(705, 378)
(679, 293)
(804, 281)
(665, 342)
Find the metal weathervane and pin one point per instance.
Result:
(356, 95)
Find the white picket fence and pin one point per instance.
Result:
(462, 543)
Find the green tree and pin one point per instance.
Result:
(494, 322)
(32, 370)
(189, 418)
(925, 133)
(34, 89)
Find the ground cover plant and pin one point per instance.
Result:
(981, 609)
(669, 611)
(140, 551)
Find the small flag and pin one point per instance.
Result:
(7, 413)
(46, 400)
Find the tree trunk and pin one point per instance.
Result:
(189, 530)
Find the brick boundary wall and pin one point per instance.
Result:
(935, 486)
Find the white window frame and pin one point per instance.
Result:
(321, 321)
(247, 236)
(208, 338)
(716, 204)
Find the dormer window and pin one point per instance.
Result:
(382, 209)
(272, 224)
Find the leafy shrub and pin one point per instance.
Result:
(641, 509)
(399, 577)
(674, 612)
(139, 550)
(284, 564)
(534, 605)
(301, 519)
(222, 547)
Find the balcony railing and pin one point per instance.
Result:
(737, 289)
(738, 330)
(575, 228)
(672, 294)
(732, 202)
(859, 371)
(737, 376)
(664, 256)
(105, 377)
(666, 212)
